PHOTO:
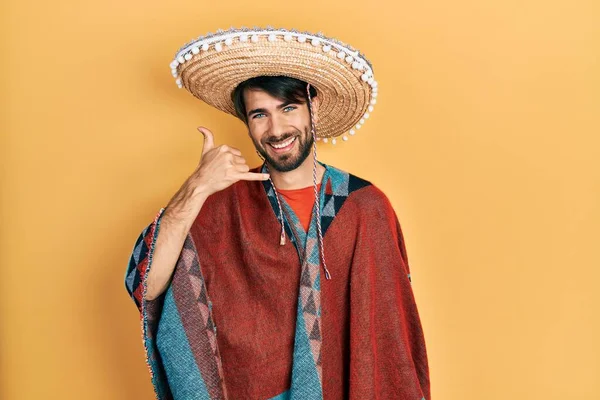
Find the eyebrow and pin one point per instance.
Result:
(264, 110)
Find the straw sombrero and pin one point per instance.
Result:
(212, 66)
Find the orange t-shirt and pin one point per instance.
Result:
(302, 202)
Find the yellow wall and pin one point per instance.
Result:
(485, 138)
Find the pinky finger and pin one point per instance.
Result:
(243, 168)
(253, 176)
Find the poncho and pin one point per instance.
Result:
(246, 318)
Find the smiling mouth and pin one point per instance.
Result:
(283, 146)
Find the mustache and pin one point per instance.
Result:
(280, 139)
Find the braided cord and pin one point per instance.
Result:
(282, 237)
(317, 198)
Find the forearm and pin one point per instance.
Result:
(178, 217)
(219, 168)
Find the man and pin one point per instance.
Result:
(286, 281)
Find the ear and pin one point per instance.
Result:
(315, 102)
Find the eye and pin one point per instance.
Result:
(258, 115)
(289, 108)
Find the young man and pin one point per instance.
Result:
(248, 287)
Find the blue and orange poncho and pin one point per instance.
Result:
(246, 318)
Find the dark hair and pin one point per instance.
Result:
(284, 88)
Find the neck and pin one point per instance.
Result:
(300, 177)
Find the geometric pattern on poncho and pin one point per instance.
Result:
(307, 373)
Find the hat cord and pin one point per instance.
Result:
(282, 237)
(317, 198)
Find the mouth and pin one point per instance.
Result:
(284, 146)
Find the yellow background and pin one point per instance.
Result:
(485, 138)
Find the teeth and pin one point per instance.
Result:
(284, 144)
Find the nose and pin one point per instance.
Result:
(277, 126)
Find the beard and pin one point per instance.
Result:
(289, 161)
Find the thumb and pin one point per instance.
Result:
(209, 139)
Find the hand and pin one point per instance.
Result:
(220, 167)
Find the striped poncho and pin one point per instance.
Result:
(246, 318)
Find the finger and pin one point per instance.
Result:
(231, 150)
(209, 139)
(243, 168)
(239, 160)
(253, 176)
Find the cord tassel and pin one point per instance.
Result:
(282, 238)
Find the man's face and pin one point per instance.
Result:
(280, 130)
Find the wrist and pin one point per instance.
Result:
(200, 193)
(187, 202)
